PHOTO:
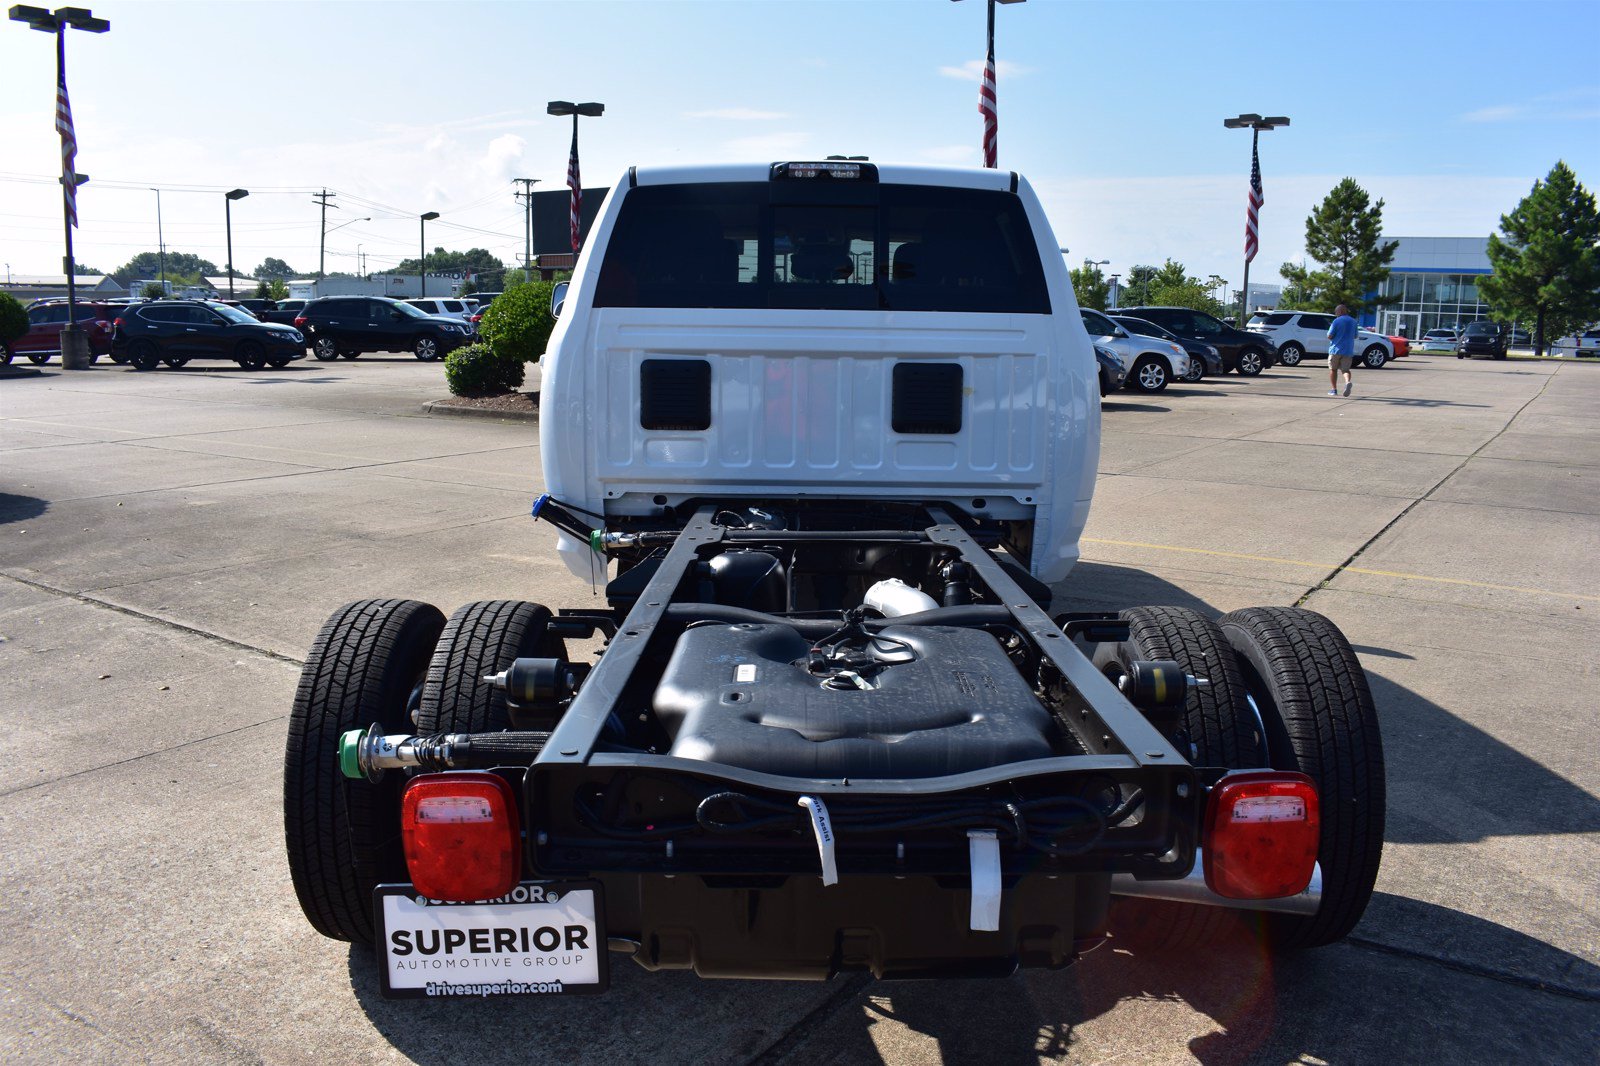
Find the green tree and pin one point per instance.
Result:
(518, 323)
(1547, 264)
(273, 268)
(153, 291)
(13, 324)
(1344, 235)
(490, 269)
(82, 271)
(1091, 286)
(1172, 286)
(277, 289)
(148, 265)
(1136, 289)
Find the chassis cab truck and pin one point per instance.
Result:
(824, 433)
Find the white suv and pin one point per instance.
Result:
(1301, 334)
(461, 309)
(1152, 362)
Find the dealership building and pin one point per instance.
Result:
(1433, 282)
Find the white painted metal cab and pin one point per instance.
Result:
(794, 331)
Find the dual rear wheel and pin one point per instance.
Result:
(1287, 692)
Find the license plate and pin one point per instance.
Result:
(543, 938)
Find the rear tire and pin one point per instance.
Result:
(1291, 354)
(1319, 719)
(349, 355)
(1374, 357)
(38, 358)
(367, 665)
(144, 355)
(278, 362)
(325, 349)
(482, 638)
(1221, 731)
(175, 361)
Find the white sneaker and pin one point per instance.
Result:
(1347, 387)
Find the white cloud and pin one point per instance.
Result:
(737, 114)
(1499, 113)
(972, 70)
(499, 160)
(1569, 105)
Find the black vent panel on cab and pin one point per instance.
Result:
(927, 398)
(675, 394)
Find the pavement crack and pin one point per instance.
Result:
(1487, 972)
(834, 1002)
(1408, 508)
(145, 616)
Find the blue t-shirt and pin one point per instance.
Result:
(1342, 336)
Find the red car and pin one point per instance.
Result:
(1402, 347)
(46, 321)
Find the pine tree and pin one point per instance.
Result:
(1547, 267)
(1344, 234)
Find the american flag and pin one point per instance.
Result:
(1257, 198)
(69, 149)
(576, 185)
(988, 109)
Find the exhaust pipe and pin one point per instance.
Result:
(1193, 889)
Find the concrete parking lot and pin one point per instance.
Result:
(171, 541)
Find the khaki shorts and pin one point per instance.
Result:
(1337, 363)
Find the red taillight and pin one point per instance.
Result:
(120, 320)
(462, 836)
(477, 317)
(299, 321)
(1261, 834)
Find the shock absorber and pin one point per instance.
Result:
(364, 754)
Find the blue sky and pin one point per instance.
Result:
(1448, 111)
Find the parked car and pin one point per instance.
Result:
(447, 307)
(1401, 346)
(177, 331)
(1152, 363)
(285, 313)
(1203, 358)
(347, 326)
(1482, 340)
(1112, 372)
(1517, 337)
(255, 305)
(46, 320)
(1439, 340)
(1583, 344)
(484, 300)
(1302, 334)
(1242, 351)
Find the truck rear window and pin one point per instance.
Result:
(823, 247)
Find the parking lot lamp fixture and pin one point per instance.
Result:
(422, 258)
(74, 342)
(574, 182)
(227, 209)
(1255, 124)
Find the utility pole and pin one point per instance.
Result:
(322, 242)
(527, 224)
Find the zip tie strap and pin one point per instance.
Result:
(983, 846)
(822, 827)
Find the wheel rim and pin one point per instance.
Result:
(1374, 358)
(1151, 376)
(1250, 362)
(1197, 369)
(144, 356)
(325, 349)
(1290, 356)
(426, 348)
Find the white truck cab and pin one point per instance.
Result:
(824, 330)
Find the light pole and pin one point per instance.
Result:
(161, 243)
(574, 182)
(527, 224)
(1252, 242)
(227, 209)
(422, 247)
(1114, 279)
(74, 342)
(361, 262)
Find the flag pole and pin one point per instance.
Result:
(69, 180)
(1244, 295)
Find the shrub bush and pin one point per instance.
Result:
(518, 323)
(478, 370)
(13, 319)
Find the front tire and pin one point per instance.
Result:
(1291, 354)
(1197, 370)
(176, 362)
(1150, 374)
(426, 349)
(278, 362)
(1318, 716)
(343, 836)
(482, 638)
(38, 358)
(1251, 363)
(1374, 357)
(325, 349)
(350, 355)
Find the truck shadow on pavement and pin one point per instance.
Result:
(14, 508)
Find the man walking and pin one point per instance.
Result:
(1341, 349)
